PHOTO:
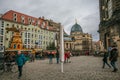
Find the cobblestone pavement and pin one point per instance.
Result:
(80, 68)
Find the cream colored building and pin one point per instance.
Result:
(36, 32)
(77, 40)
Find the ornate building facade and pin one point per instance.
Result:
(77, 40)
(109, 27)
(37, 32)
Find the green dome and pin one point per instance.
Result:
(76, 28)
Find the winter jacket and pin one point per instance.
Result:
(20, 59)
(105, 56)
(113, 55)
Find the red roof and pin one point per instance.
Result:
(10, 15)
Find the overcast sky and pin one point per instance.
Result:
(63, 11)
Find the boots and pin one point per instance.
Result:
(115, 70)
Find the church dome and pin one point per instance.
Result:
(76, 28)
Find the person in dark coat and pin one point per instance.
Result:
(50, 57)
(20, 60)
(57, 55)
(105, 59)
(113, 58)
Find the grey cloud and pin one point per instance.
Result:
(63, 11)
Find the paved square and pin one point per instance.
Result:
(80, 68)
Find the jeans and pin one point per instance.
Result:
(113, 63)
(50, 60)
(105, 62)
(20, 70)
(57, 60)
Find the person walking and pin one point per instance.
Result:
(69, 55)
(105, 59)
(57, 55)
(65, 57)
(113, 58)
(20, 60)
(50, 57)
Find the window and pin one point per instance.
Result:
(28, 41)
(2, 31)
(32, 41)
(2, 23)
(25, 41)
(28, 35)
(14, 17)
(1, 39)
(14, 14)
(21, 27)
(13, 25)
(110, 11)
(66, 45)
(7, 24)
(29, 20)
(22, 19)
(7, 31)
(32, 35)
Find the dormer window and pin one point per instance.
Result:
(14, 14)
(22, 19)
(14, 17)
(29, 20)
(43, 25)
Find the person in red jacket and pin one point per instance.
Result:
(65, 57)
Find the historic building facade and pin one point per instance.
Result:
(109, 27)
(1, 34)
(36, 32)
(77, 40)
